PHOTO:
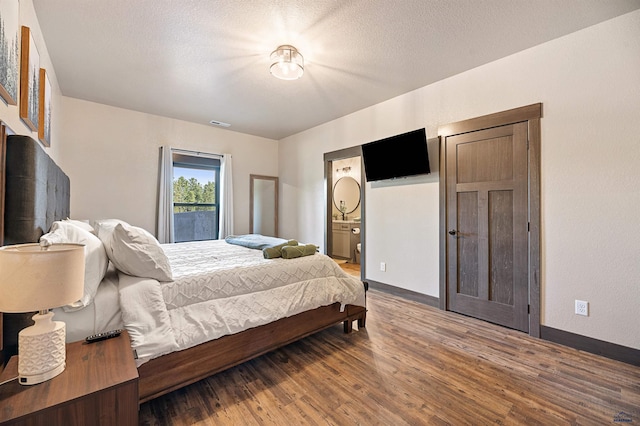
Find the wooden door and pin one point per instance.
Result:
(487, 224)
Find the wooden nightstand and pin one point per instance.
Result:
(98, 387)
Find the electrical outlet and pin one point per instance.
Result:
(383, 266)
(582, 308)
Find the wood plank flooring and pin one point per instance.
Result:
(412, 365)
(351, 269)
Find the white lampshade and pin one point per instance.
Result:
(36, 278)
(286, 63)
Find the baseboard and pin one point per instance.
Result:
(594, 346)
(404, 293)
(576, 341)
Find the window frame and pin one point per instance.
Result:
(197, 161)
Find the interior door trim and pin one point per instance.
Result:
(532, 115)
(329, 158)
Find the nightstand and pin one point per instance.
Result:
(98, 387)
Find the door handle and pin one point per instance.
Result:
(452, 232)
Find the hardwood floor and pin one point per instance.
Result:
(351, 269)
(412, 365)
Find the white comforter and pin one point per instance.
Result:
(221, 289)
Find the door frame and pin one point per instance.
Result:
(329, 158)
(531, 114)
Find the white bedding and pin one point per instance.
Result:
(221, 289)
(102, 314)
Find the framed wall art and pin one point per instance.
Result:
(29, 80)
(44, 118)
(9, 51)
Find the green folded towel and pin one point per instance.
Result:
(291, 252)
(276, 251)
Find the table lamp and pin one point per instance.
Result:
(37, 278)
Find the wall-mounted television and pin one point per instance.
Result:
(398, 156)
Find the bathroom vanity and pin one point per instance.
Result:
(345, 238)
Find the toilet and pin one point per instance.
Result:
(358, 253)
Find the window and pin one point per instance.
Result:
(195, 197)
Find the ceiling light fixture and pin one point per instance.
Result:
(286, 63)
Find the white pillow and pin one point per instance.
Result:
(136, 252)
(104, 230)
(81, 224)
(95, 258)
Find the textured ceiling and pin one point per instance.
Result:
(199, 60)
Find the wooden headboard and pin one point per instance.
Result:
(36, 193)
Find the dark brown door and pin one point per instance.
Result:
(487, 225)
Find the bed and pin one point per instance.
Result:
(222, 304)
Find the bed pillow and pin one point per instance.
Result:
(81, 224)
(95, 258)
(136, 252)
(104, 230)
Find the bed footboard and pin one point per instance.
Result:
(178, 369)
(355, 313)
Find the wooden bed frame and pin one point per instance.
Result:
(212, 357)
(175, 370)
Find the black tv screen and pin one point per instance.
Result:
(398, 156)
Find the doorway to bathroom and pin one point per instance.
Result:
(344, 211)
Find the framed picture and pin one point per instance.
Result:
(9, 50)
(29, 80)
(44, 119)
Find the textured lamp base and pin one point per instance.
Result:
(41, 350)
(34, 379)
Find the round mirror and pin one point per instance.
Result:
(346, 194)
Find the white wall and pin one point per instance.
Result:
(10, 114)
(111, 156)
(589, 84)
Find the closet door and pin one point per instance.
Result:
(490, 217)
(487, 224)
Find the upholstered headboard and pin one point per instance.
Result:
(36, 194)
